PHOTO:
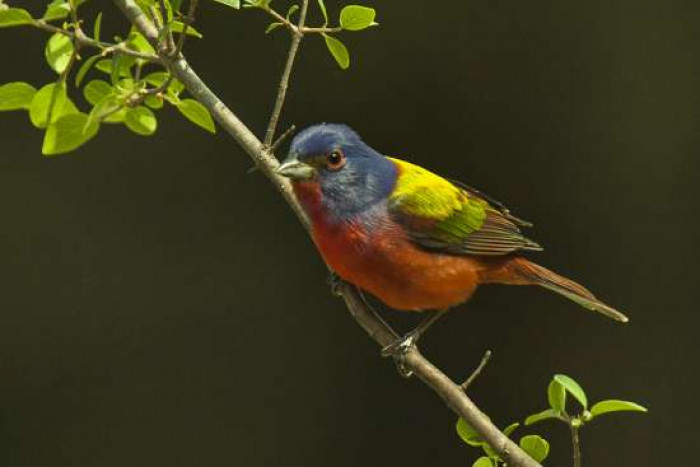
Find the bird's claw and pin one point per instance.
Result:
(398, 350)
(335, 283)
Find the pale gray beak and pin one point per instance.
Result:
(296, 170)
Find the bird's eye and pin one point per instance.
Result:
(335, 160)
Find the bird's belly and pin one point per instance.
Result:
(389, 266)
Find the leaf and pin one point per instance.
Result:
(468, 434)
(67, 134)
(179, 26)
(614, 405)
(16, 96)
(115, 73)
(140, 43)
(272, 27)
(98, 27)
(84, 68)
(96, 90)
(232, 3)
(154, 102)
(356, 17)
(15, 17)
(510, 428)
(322, 7)
(291, 10)
(483, 461)
(540, 416)
(58, 51)
(58, 9)
(197, 114)
(125, 64)
(535, 446)
(141, 120)
(573, 388)
(44, 98)
(556, 394)
(106, 107)
(338, 50)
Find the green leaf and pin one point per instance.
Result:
(107, 106)
(67, 134)
(232, 3)
(535, 446)
(84, 68)
(322, 7)
(483, 462)
(140, 43)
(98, 27)
(197, 114)
(96, 90)
(614, 405)
(356, 17)
(556, 394)
(51, 94)
(179, 26)
(272, 27)
(573, 388)
(58, 9)
(154, 102)
(291, 10)
(510, 428)
(58, 51)
(141, 120)
(468, 434)
(14, 17)
(544, 415)
(125, 64)
(16, 96)
(338, 50)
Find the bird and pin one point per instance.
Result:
(413, 239)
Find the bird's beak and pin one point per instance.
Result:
(296, 170)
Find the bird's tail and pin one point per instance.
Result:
(520, 271)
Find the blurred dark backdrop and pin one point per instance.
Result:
(162, 307)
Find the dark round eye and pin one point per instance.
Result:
(335, 160)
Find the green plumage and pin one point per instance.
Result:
(439, 215)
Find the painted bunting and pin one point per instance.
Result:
(411, 238)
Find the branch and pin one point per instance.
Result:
(447, 389)
(81, 40)
(284, 81)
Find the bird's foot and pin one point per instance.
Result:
(335, 283)
(398, 350)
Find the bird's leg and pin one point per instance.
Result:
(334, 281)
(402, 345)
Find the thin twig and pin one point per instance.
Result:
(282, 138)
(186, 21)
(295, 28)
(475, 374)
(284, 80)
(447, 389)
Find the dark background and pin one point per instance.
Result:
(159, 306)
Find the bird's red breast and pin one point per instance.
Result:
(384, 262)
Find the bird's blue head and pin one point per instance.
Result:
(351, 175)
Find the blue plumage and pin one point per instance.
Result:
(366, 179)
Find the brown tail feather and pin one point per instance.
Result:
(520, 271)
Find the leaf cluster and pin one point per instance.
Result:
(559, 390)
(128, 92)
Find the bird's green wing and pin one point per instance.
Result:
(443, 216)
